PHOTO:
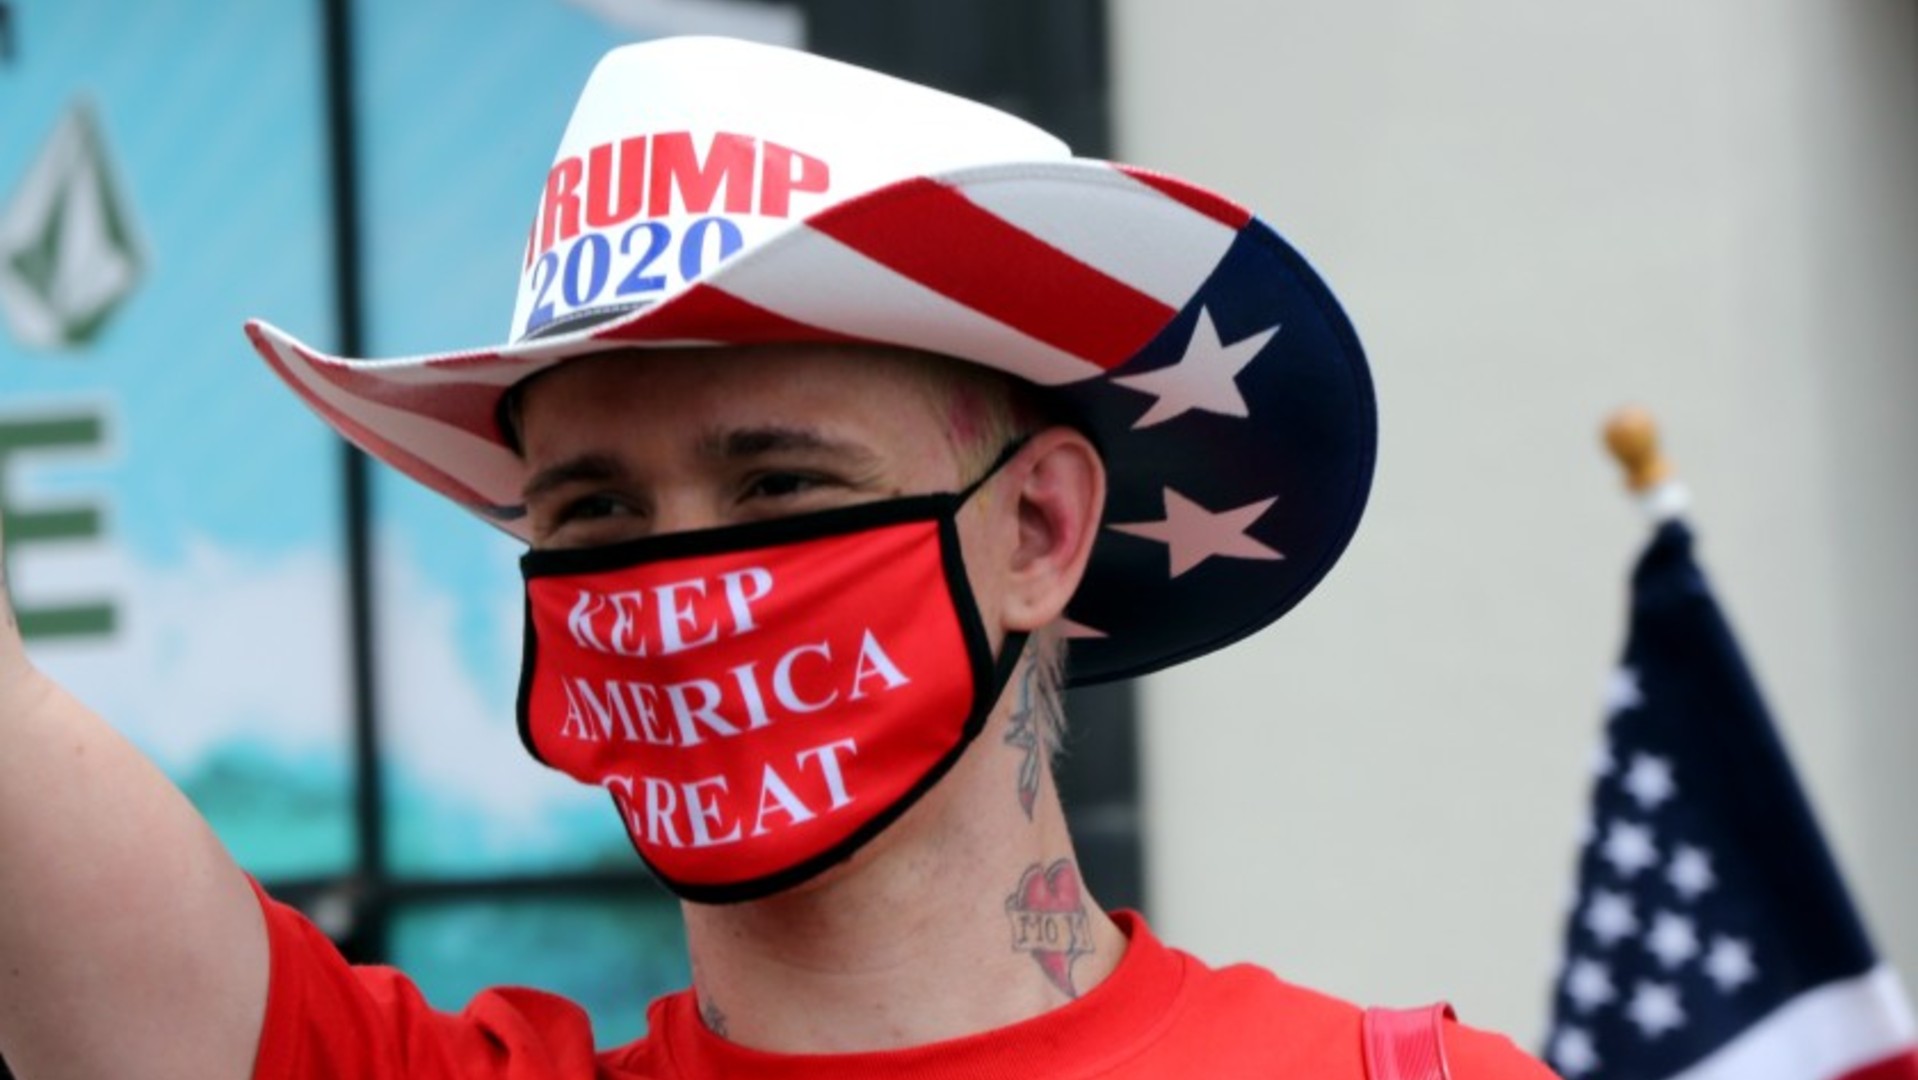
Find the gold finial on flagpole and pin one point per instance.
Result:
(1632, 436)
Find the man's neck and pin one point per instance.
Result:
(965, 916)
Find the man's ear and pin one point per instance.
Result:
(1058, 503)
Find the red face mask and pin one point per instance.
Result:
(760, 700)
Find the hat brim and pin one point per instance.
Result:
(1216, 372)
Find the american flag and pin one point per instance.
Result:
(1711, 935)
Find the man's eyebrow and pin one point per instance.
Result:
(740, 443)
(586, 468)
(734, 444)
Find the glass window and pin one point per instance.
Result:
(173, 515)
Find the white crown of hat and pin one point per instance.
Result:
(686, 150)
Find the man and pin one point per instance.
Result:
(832, 408)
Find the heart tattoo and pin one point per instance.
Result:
(1048, 915)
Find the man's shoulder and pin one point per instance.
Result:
(1476, 1054)
(1325, 1028)
(1245, 988)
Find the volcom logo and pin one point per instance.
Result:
(69, 256)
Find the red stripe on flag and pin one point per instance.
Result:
(951, 245)
(470, 407)
(1216, 207)
(707, 314)
(1902, 1066)
(364, 437)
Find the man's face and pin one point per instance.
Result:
(639, 444)
(648, 442)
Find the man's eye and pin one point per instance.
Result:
(779, 485)
(591, 508)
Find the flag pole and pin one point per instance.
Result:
(1631, 434)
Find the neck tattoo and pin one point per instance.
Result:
(1047, 912)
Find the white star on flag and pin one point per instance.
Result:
(1628, 848)
(1672, 939)
(1589, 984)
(1609, 917)
(1621, 692)
(1649, 780)
(1729, 964)
(1192, 534)
(1690, 871)
(1655, 1009)
(1602, 763)
(1573, 1052)
(1203, 377)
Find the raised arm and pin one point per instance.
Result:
(130, 943)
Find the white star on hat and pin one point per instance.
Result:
(1655, 1009)
(1573, 1052)
(1729, 963)
(1628, 848)
(1672, 939)
(1690, 871)
(1589, 984)
(1078, 631)
(1649, 780)
(1192, 534)
(1202, 379)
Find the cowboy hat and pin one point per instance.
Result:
(717, 192)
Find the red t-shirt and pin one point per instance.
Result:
(1161, 1014)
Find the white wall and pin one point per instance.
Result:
(1535, 212)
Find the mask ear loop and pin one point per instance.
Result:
(1013, 646)
(1004, 458)
(1011, 651)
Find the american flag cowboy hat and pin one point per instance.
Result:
(715, 192)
